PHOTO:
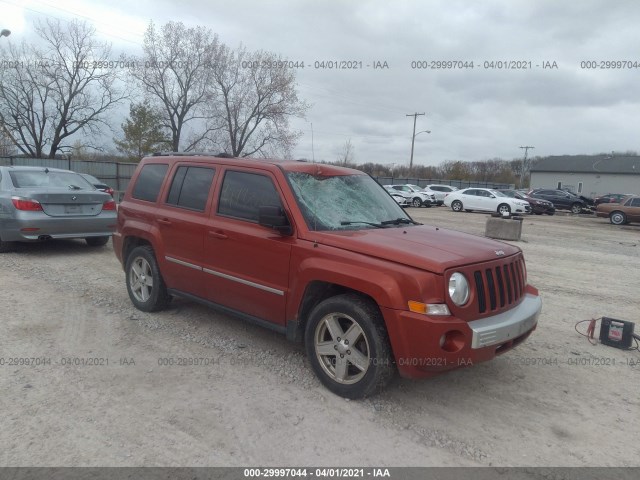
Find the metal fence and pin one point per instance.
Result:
(114, 174)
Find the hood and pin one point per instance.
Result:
(426, 247)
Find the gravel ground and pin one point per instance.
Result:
(106, 396)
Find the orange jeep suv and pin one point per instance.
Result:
(324, 255)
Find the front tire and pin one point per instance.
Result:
(348, 346)
(416, 202)
(576, 208)
(456, 206)
(504, 208)
(145, 285)
(618, 218)
(97, 241)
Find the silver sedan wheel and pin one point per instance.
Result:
(141, 279)
(342, 348)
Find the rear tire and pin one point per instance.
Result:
(5, 246)
(456, 206)
(617, 217)
(145, 285)
(97, 241)
(348, 346)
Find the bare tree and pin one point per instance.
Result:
(346, 153)
(256, 98)
(58, 89)
(175, 73)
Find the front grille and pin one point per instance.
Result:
(499, 286)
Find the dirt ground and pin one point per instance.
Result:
(109, 398)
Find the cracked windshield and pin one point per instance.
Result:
(345, 202)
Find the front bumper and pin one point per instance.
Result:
(419, 351)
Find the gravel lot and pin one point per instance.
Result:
(554, 401)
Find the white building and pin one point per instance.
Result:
(588, 175)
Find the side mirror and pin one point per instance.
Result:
(492, 196)
(274, 217)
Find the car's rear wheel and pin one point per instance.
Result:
(618, 218)
(416, 202)
(97, 241)
(5, 246)
(576, 208)
(348, 346)
(145, 285)
(504, 208)
(456, 206)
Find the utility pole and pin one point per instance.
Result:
(525, 166)
(313, 154)
(413, 138)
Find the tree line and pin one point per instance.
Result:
(192, 92)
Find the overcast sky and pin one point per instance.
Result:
(473, 114)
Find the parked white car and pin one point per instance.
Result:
(402, 198)
(441, 191)
(486, 200)
(419, 198)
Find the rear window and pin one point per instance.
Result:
(149, 181)
(48, 179)
(190, 187)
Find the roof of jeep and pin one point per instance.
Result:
(286, 165)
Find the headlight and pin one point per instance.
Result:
(458, 289)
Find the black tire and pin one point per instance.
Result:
(97, 241)
(156, 294)
(576, 208)
(5, 246)
(504, 208)
(467, 210)
(537, 213)
(551, 213)
(617, 217)
(456, 206)
(416, 202)
(349, 315)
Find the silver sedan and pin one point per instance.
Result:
(38, 203)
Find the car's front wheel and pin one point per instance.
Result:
(416, 202)
(618, 218)
(348, 346)
(576, 208)
(503, 208)
(456, 206)
(144, 282)
(97, 241)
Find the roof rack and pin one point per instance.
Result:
(192, 154)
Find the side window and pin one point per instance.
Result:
(471, 192)
(635, 202)
(190, 187)
(243, 193)
(149, 181)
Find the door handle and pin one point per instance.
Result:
(220, 235)
(164, 221)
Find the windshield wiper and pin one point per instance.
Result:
(399, 221)
(377, 225)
